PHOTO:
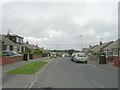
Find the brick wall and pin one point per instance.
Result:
(11, 59)
(116, 61)
(36, 56)
(93, 58)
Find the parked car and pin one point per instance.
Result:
(72, 56)
(80, 57)
(53, 55)
(10, 53)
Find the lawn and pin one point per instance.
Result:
(31, 68)
(47, 58)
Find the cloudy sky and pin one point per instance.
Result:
(58, 25)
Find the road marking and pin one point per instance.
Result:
(32, 81)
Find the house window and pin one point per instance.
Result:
(21, 40)
(11, 48)
(5, 47)
(15, 48)
(17, 39)
(115, 52)
(8, 47)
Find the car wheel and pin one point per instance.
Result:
(75, 61)
(86, 62)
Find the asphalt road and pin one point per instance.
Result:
(63, 73)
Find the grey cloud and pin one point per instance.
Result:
(36, 20)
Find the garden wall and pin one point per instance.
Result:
(11, 59)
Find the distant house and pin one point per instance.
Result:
(28, 47)
(101, 47)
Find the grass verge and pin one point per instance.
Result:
(47, 58)
(31, 68)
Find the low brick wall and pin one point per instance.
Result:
(116, 61)
(93, 58)
(37, 56)
(11, 59)
(109, 59)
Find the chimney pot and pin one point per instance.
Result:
(100, 43)
(27, 42)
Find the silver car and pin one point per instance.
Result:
(80, 57)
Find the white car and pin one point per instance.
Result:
(72, 56)
(80, 57)
(53, 55)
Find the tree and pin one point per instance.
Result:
(71, 51)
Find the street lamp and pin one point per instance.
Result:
(81, 42)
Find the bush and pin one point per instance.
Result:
(101, 53)
(38, 51)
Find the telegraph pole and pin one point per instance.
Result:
(81, 42)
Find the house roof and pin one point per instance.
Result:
(88, 49)
(29, 46)
(112, 45)
(102, 46)
(13, 35)
(7, 41)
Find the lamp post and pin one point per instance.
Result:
(81, 42)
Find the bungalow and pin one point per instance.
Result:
(28, 47)
(88, 50)
(18, 40)
(16, 43)
(112, 51)
(100, 48)
(7, 44)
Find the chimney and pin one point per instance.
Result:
(90, 46)
(100, 43)
(27, 42)
(8, 35)
(36, 45)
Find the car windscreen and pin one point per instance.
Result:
(81, 55)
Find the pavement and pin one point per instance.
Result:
(63, 73)
(17, 80)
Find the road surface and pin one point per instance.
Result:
(64, 73)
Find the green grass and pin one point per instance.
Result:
(47, 58)
(31, 68)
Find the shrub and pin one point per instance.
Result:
(38, 51)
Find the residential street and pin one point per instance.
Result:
(63, 73)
